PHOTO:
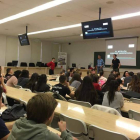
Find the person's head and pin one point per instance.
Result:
(76, 77)
(88, 73)
(131, 73)
(114, 56)
(25, 74)
(114, 86)
(125, 74)
(99, 56)
(53, 59)
(95, 78)
(138, 74)
(17, 73)
(62, 79)
(101, 73)
(34, 77)
(68, 70)
(9, 71)
(71, 70)
(40, 108)
(120, 81)
(93, 71)
(62, 73)
(118, 75)
(1, 90)
(113, 72)
(42, 79)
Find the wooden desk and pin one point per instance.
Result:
(52, 83)
(128, 127)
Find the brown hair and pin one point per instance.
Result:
(41, 107)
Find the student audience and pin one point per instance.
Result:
(75, 81)
(32, 82)
(9, 73)
(93, 71)
(63, 87)
(40, 113)
(61, 73)
(118, 76)
(24, 78)
(113, 98)
(134, 85)
(102, 79)
(14, 79)
(86, 92)
(41, 85)
(125, 75)
(106, 85)
(95, 80)
(128, 79)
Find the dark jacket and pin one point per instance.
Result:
(23, 81)
(127, 80)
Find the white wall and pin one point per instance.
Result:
(9, 50)
(82, 53)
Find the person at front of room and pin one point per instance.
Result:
(115, 63)
(100, 64)
(52, 66)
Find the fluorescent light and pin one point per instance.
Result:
(126, 16)
(131, 45)
(81, 34)
(56, 29)
(35, 10)
(104, 24)
(110, 46)
(86, 26)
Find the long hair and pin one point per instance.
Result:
(134, 85)
(41, 80)
(17, 73)
(105, 86)
(77, 77)
(7, 71)
(25, 74)
(86, 92)
(32, 81)
(112, 89)
(124, 73)
(94, 78)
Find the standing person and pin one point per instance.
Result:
(100, 64)
(115, 63)
(52, 66)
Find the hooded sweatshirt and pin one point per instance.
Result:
(24, 129)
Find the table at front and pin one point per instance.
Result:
(122, 125)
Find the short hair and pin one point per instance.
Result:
(53, 58)
(117, 74)
(17, 73)
(41, 107)
(99, 55)
(115, 55)
(62, 79)
(131, 73)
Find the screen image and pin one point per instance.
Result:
(97, 29)
(125, 49)
(23, 39)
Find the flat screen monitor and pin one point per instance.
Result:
(14, 63)
(97, 29)
(73, 65)
(23, 39)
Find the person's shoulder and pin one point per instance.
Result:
(118, 93)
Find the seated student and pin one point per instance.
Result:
(24, 78)
(9, 73)
(14, 79)
(134, 85)
(95, 80)
(88, 72)
(86, 92)
(61, 73)
(32, 82)
(40, 113)
(125, 74)
(41, 85)
(75, 81)
(68, 76)
(113, 72)
(93, 71)
(118, 76)
(102, 79)
(113, 98)
(128, 79)
(63, 87)
(105, 86)
(4, 132)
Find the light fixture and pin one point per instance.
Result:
(126, 16)
(35, 10)
(81, 34)
(56, 29)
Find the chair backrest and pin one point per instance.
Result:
(76, 127)
(106, 109)
(4, 98)
(134, 115)
(26, 89)
(31, 64)
(9, 64)
(86, 104)
(23, 64)
(42, 65)
(135, 100)
(17, 86)
(103, 134)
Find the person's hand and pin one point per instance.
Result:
(2, 80)
(75, 138)
(62, 126)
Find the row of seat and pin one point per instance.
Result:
(24, 64)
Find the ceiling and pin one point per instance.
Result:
(73, 12)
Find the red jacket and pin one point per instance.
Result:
(97, 86)
(51, 64)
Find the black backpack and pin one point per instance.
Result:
(13, 113)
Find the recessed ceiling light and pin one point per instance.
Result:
(110, 2)
(35, 10)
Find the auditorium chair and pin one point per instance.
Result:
(31, 64)
(23, 64)
(9, 64)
